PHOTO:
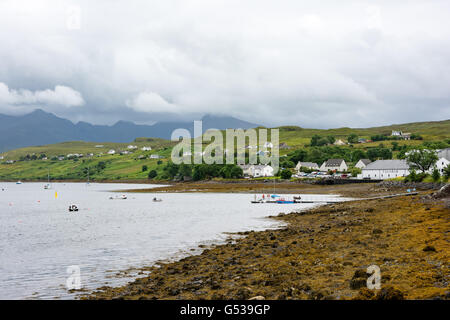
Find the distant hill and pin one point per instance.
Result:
(41, 128)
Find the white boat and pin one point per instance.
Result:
(157, 200)
(123, 197)
(19, 182)
(48, 185)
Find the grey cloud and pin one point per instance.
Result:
(314, 65)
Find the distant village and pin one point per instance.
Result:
(366, 169)
(130, 149)
(379, 165)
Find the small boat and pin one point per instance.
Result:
(73, 208)
(48, 185)
(285, 201)
(157, 200)
(19, 182)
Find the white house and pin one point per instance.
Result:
(99, 146)
(444, 160)
(405, 136)
(155, 156)
(131, 147)
(309, 165)
(111, 151)
(257, 170)
(74, 155)
(146, 148)
(283, 145)
(338, 165)
(339, 142)
(268, 145)
(2, 157)
(263, 153)
(385, 169)
(362, 163)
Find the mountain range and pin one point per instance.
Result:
(40, 128)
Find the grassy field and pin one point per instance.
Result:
(430, 131)
(116, 166)
(102, 166)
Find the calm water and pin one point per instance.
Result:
(39, 238)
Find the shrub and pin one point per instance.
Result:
(355, 171)
(447, 172)
(416, 177)
(286, 174)
(436, 175)
(144, 168)
(152, 174)
(306, 170)
(352, 138)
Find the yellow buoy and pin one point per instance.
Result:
(56, 195)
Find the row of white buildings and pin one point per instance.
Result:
(388, 169)
(380, 169)
(337, 165)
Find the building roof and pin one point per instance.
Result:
(365, 161)
(255, 166)
(387, 165)
(308, 164)
(333, 162)
(445, 153)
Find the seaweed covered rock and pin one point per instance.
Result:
(364, 294)
(429, 248)
(390, 293)
(359, 279)
(444, 192)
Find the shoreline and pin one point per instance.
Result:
(319, 254)
(138, 181)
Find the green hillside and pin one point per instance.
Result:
(28, 164)
(116, 166)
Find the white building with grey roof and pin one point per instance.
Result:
(362, 163)
(337, 165)
(255, 171)
(385, 169)
(309, 165)
(444, 160)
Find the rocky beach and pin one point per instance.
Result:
(322, 253)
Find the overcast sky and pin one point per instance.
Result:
(338, 63)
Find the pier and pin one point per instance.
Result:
(326, 199)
